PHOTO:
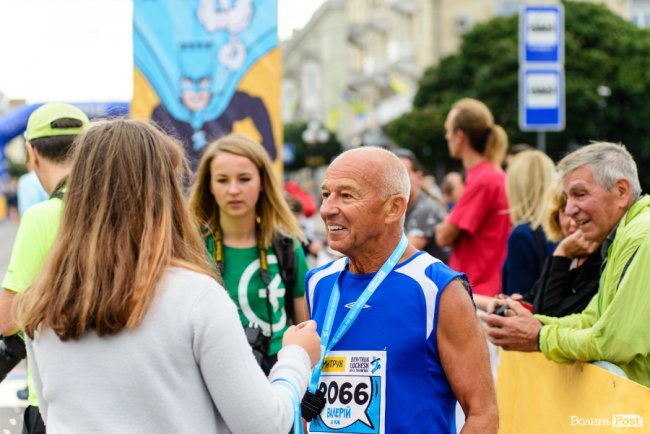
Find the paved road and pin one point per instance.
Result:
(11, 408)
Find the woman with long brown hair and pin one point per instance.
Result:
(128, 330)
(253, 239)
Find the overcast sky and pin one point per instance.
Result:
(99, 68)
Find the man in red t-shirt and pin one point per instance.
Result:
(478, 226)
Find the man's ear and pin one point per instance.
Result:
(33, 155)
(622, 189)
(395, 208)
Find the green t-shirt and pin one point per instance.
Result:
(36, 233)
(244, 284)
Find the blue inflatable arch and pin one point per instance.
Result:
(14, 123)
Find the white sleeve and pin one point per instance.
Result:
(36, 378)
(242, 394)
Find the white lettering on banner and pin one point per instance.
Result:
(627, 421)
(589, 421)
(616, 421)
(542, 91)
(542, 28)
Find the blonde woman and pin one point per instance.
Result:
(238, 203)
(128, 330)
(527, 180)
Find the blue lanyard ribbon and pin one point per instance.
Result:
(295, 399)
(327, 345)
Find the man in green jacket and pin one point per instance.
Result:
(603, 194)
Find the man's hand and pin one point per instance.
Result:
(517, 331)
(7, 324)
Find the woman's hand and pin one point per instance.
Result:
(575, 246)
(304, 335)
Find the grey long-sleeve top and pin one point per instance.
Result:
(186, 369)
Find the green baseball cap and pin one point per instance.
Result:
(40, 121)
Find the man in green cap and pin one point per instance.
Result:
(51, 130)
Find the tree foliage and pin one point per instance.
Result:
(601, 49)
(422, 131)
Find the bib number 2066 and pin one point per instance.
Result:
(345, 392)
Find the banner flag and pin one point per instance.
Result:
(206, 68)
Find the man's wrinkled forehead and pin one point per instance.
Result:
(351, 180)
(580, 177)
(337, 180)
(350, 172)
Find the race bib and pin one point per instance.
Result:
(354, 386)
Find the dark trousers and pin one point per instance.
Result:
(32, 421)
(268, 362)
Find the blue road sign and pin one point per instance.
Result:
(541, 98)
(541, 34)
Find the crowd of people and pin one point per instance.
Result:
(144, 306)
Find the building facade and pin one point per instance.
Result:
(355, 66)
(315, 69)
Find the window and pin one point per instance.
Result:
(640, 13)
(507, 8)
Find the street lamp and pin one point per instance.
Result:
(315, 134)
(604, 92)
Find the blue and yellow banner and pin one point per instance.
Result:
(206, 68)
